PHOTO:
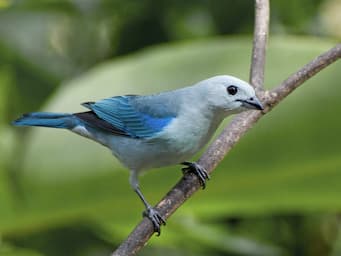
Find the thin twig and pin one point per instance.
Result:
(260, 37)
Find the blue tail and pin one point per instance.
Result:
(46, 119)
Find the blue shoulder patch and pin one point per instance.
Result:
(120, 113)
(156, 123)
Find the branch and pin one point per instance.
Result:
(220, 147)
(189, 184)
(260, 37)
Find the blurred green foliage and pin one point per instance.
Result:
(45, 42)
(277, 193)
(287, 164)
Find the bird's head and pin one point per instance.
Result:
(230, 94)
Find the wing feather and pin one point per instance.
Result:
(124, 116)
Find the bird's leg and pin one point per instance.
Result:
(150, 212)
(198, 171)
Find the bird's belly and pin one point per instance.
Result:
(169, 148)
(137, 154)
(142, 154)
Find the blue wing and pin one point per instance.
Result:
(127, 117)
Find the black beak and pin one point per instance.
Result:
(252, 103)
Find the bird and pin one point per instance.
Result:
(150, 131)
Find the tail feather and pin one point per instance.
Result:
(46, 119)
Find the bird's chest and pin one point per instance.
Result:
(189, 133)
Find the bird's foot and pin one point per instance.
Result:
(155, 218)
(197, 170)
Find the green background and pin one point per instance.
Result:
(276, 193)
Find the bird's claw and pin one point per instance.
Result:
(155, 218)
(197, 170)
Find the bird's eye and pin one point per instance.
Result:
(232, 89)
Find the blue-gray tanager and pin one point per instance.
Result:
(146, 132)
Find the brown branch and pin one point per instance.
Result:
(260, 37)
(220, 147)
(223, 144)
